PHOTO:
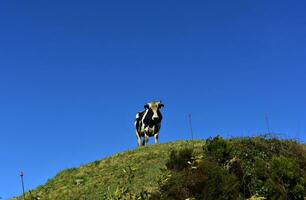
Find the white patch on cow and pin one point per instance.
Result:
(143, 117)
(154, 108)
(155, 115)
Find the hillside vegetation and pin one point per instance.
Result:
(239, 168)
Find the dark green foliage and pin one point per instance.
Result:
(221, 183)
(237, 168)
(178, 160)
(201, 183)
(199, 180)
(288, 182)
(219, 149)
(259, 158)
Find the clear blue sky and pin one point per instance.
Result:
(74, 73)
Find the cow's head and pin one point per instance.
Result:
(154, 107)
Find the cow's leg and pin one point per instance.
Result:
(145, 140)
(138, 138)
(156, 138)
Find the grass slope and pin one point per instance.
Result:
(135, 170)
(142, 169)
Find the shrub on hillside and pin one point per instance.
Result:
(241, 167)
(265, 163)
(219, 149)
(286, 179)
(198, 180)
(178, 160)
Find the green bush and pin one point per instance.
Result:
(260, 166)
(286, 180)
(238, 168)
(198, 180)
(219, 149)
(178, 160)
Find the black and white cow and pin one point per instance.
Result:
(148, 122)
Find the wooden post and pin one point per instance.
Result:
(191, 131)
(22, 184)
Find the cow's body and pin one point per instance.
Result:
(148, 122)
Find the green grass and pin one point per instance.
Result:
(136, 170)
(142, 170)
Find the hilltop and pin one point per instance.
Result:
(251, 165)
(104, 176)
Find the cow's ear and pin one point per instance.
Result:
(146, 106)
(161, 105)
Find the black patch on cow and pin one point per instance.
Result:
(148, 121)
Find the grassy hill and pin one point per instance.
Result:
(94, 180)
(160, 172)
